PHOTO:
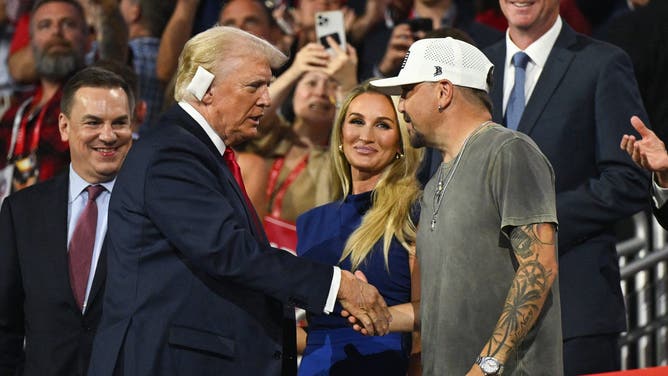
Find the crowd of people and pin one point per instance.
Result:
(201, 187)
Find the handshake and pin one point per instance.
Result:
(363, 305)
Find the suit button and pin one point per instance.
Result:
(277, 355)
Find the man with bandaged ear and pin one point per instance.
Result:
(193, 286)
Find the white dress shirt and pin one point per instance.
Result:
(538, 53)
(77, 198)
(659, 194)
(220, 145)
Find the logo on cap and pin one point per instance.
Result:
(438, 71)
(403, 64)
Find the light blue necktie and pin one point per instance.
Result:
(516, 101)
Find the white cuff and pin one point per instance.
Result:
(333, 291)
(659, 194)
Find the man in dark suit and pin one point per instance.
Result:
(52, 268)
(574, 97)
(193, 286)
(650, 153)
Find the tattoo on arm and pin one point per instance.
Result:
(531, 285)
(523, 239)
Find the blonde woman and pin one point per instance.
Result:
(368, 227)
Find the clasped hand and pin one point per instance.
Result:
(363, 305)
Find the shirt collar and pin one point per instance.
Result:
(539, 50)
(215, 138)
(78, 184)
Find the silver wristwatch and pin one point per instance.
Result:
(489, 365)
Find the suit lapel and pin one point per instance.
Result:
(193, 127)
(100, 274)
(57, 204)
(497, 55)
(557, 64)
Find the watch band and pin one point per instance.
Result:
(489, 365)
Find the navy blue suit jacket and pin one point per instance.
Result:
(194, 287)
(577, 114)
(36, 300)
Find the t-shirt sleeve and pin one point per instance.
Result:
(522, 183)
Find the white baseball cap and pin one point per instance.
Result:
(435, 59)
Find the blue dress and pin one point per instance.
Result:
(332, 347)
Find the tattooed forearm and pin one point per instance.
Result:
(534, 246)
(524, 239)
(523, 304)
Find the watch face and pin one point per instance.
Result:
(489, 365)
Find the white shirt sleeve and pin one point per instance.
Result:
(333, 291)
(659, 194)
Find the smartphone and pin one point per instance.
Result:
(330, 24)
(421, 24)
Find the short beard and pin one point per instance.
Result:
(417, 139)
(57, 67)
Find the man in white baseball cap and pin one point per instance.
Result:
(487, 232)
(435, 59)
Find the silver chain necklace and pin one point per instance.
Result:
(443, 181)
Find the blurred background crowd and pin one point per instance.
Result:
(145, 38)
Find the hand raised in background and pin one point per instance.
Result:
(648, 152)
(399, 43)
(343, 65)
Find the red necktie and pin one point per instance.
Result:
(231, 162)
(81, 245)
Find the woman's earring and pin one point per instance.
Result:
(399, 155)
(440, 108)
(341, 148)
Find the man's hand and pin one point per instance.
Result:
(354, 321)
(649, 152)
(362, 301)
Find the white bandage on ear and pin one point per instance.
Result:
(200, 83)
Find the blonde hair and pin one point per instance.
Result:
(393, 197)
(217, 50)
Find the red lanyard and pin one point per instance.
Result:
(21, 123)
(273, 178)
